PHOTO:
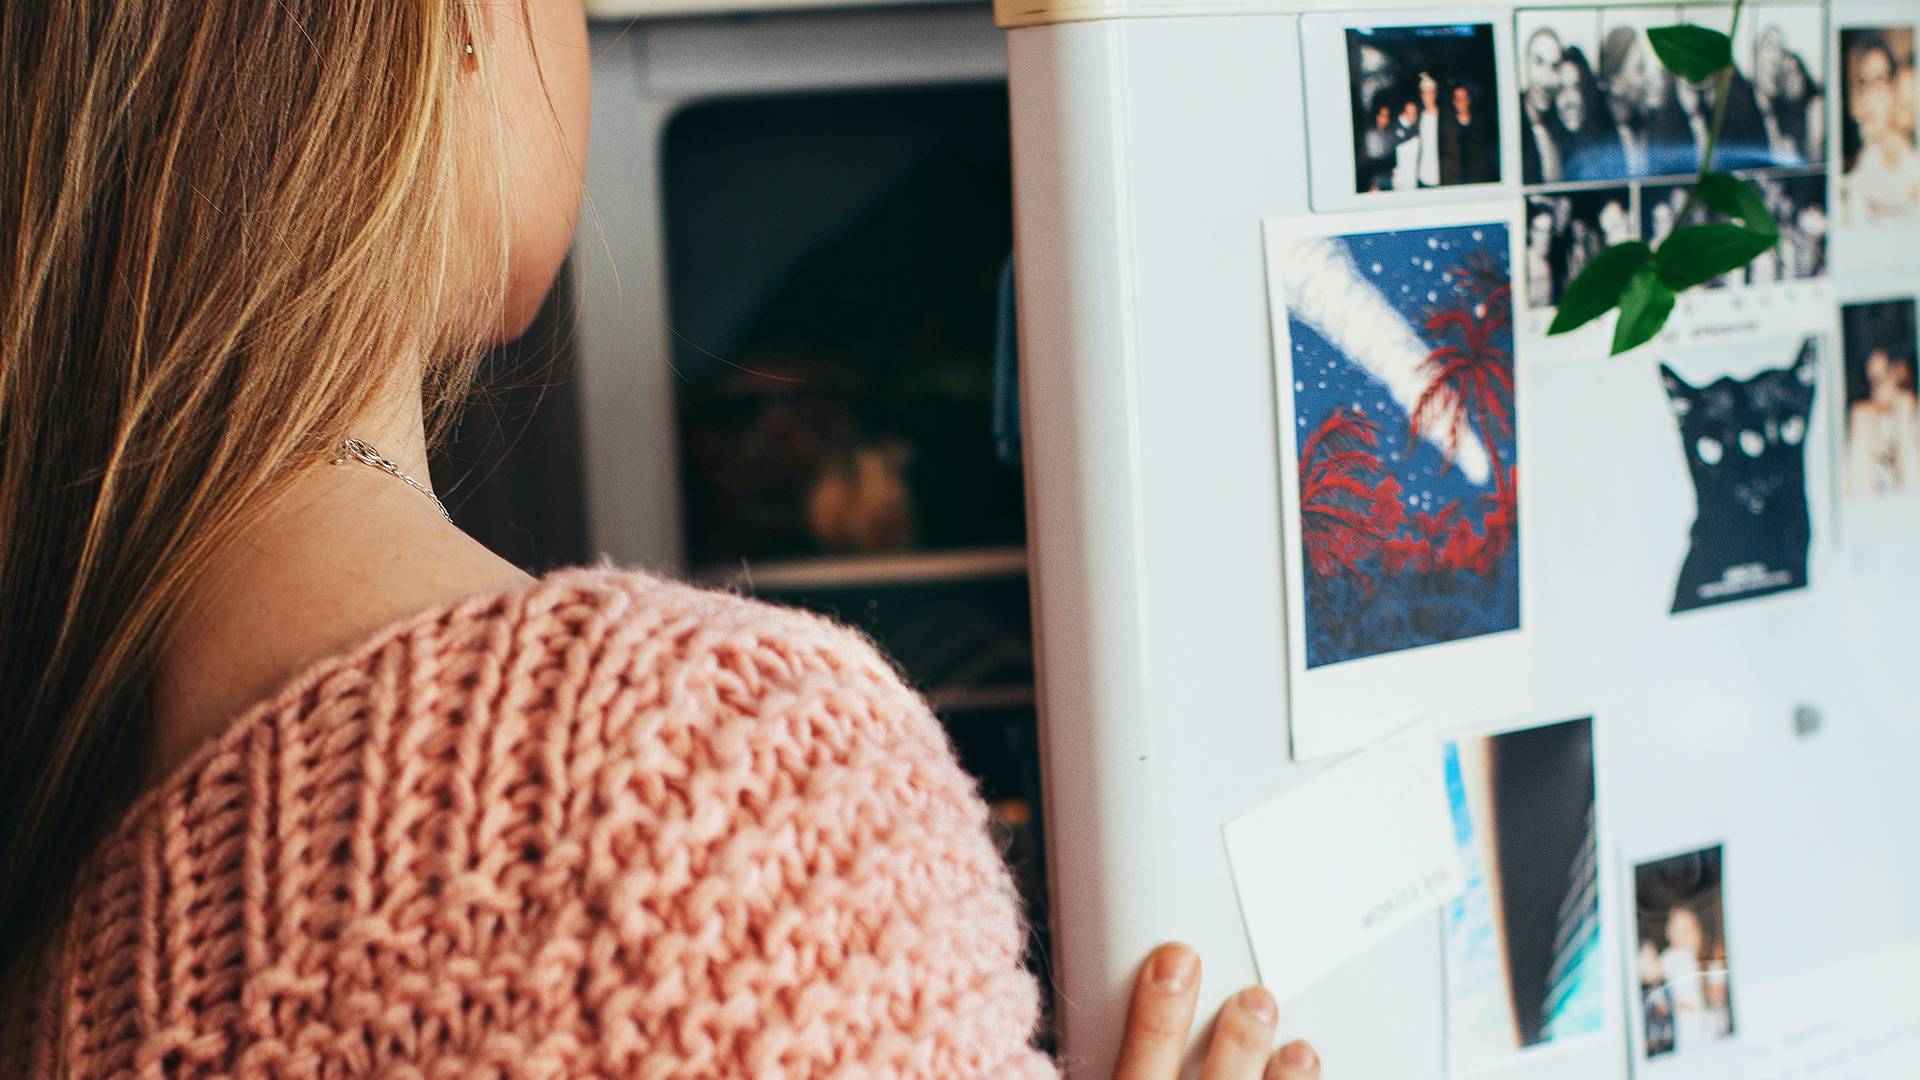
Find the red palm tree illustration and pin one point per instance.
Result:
(1470, 374)
(1349, 508)
(1430, 532)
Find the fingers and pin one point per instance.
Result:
(1242, 1036)
(1160, 1016)
(1294, 1061)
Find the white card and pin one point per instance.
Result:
(1338, 863)
(1854, 1019)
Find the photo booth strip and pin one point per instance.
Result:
(1403, 543)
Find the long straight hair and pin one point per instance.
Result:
(223, 225)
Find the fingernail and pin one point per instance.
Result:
(1299, 1057)
(1259, 1004)
(1173, 968)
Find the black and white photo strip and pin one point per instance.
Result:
(1423, 107)
(1610, 140)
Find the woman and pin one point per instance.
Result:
(1590, 147)
(299, 780)
(1376, 152)
(1882, 177)
(1883, 430)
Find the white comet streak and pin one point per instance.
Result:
(1325, 290)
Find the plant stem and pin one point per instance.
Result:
(1721, 93)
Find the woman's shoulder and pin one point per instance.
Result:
(590, 804)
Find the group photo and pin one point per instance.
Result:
(1565, 230)
(1596, 103)
(1423, 110)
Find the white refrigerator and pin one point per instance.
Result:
(1761, 722)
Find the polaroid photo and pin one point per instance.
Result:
(1879, 421)
(1402, 111)
(1527, 953)
(1879, 155)
(1682, 1019)
(1743, 434)
(1395, 380)
(1566, 229)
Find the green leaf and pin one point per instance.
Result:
(1694, 53)
(1697, 254)
(1740, 200)
(1596, 289)
(1644, 308)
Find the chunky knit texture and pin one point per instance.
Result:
(601, 826)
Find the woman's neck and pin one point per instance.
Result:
(344, 551)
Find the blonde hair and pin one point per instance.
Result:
(223, 225)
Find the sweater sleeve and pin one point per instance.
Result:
(795, 872)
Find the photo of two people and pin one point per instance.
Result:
(1686, 1003)
(1423, 111)
(1879, 155)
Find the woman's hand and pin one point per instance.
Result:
(1162, 1014)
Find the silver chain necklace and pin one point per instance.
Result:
(351, 447)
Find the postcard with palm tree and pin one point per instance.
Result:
(1396, 380)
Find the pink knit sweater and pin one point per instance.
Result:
(601, 826)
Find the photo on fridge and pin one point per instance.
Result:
(1524, 952)
(1683, 973)
(1424, 113)
(1399, 461)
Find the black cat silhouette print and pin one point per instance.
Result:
(1745, 447)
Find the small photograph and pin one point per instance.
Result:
(1423, 107)
(1745, 445)
(1743, 130)
(1565, 230)
(1524, 956)
(1567, 131)
(1882, 453)
(1879, 159)
(1660, 209)
(1799, 204)
(1685, 1002)
(1660, 135)
(1789, 83)
(1401, 371)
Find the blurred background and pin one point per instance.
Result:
(782, 360)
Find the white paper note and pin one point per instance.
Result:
(1857, 1020)
(1338, 863)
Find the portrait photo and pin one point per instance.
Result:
(1879, 158)
(1882, 426)
(1423, 107)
